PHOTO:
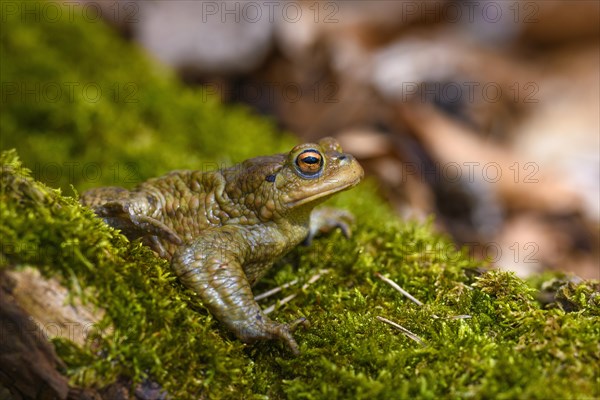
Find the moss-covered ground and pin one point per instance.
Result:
(145, 123)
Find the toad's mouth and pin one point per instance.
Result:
(322, 194)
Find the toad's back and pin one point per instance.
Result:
(166, 211)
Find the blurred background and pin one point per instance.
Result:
(482, 113)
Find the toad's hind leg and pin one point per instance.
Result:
(212, 266)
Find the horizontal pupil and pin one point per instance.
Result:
(311, 160)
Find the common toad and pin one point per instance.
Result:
(222, 230)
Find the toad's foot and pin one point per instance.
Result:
(263, 328)
(325, 219)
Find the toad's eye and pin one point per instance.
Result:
(309, 163)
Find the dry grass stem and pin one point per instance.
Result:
(275, 290)
(403, 330)
(287, 299)
(398, 288)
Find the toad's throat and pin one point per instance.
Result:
(325, 193)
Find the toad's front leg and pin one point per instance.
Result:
(212, 266)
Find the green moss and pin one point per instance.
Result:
(510, 347)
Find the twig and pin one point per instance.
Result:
(403, 330)
(287, 299)
(464, 316)
(398, 288)
(275, 290)
(405, 293)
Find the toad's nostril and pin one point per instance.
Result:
(345, 159)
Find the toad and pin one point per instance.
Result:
(222, 230)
